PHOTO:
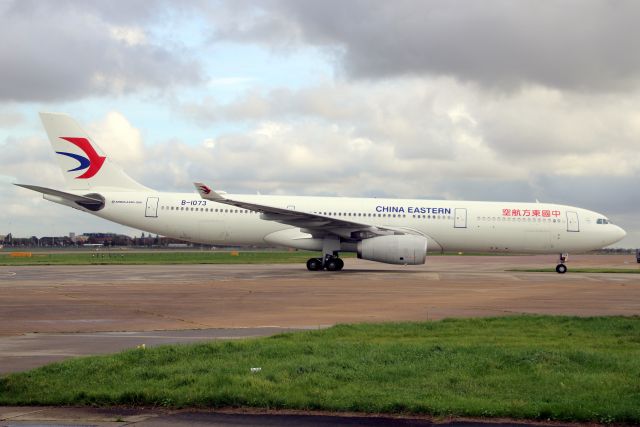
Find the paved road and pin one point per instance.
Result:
(172, 297)
(46, 416)
(53, 312)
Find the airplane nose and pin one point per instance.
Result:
(620, 233)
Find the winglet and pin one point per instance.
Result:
(207, 193)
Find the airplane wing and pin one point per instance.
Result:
(312, 223)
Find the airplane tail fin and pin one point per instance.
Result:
(84, 165)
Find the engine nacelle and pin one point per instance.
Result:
(403, 249)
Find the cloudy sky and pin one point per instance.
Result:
(491, 100)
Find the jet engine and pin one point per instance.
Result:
(403, 249)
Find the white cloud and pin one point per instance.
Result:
(68, 50)
(447, 126)
(132, 36)
(231, 81)
(123, 140)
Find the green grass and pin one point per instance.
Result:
(525, 367)
(159, 257)
(581, 270)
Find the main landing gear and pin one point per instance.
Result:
(561, 268)
(329, 260)
(331, 263)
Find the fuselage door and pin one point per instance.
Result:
(572, 221)
(460, 220)
(151, 210)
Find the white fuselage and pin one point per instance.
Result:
(448, 225)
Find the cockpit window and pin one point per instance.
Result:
(603, 221)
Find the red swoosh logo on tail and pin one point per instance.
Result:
(95, 159)
(205, 189)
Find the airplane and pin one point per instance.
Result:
(393, 231)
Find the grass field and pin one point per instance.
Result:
(525, 367)
(160, 257)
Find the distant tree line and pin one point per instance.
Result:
(92, 239)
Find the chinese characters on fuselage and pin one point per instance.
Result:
(545, 213)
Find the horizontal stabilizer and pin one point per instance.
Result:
(68, 196)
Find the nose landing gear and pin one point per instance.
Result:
(561, 268)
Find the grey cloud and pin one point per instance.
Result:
(488, 189)
(610, 195)
(574, 44)
(533, 130)
(135, 10)
(414, 124)
(10, 118)
(66, 50)
(16, 150)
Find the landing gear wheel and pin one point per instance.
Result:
(561, 268)
(331, 265)
(334, 264)
(314, 264)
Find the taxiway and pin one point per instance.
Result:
(48, 313)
